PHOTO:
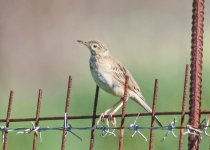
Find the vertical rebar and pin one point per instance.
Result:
(196, 70)
(66, 112)
(125, 97)
(209, 145)
(39, 102)
(8, 119)
(94, 118)
(151, 142)
(185, 93)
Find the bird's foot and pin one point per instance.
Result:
(107, 120)
(112, 119)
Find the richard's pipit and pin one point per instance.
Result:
(109, 75)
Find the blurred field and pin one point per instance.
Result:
(38, 49)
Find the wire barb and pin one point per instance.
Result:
(199, 132)
(205, 125)
(108, 131)
(68, 127)
(170, 129)
(136, 128)
(35, 129)
(3, 130)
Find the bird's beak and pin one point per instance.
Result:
(84, 43)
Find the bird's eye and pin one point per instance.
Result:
(94, 46)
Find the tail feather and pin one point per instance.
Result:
(143, 103)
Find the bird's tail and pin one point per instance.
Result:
(142, 102)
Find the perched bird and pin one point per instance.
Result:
(109, 75)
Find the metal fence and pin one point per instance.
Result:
(195, 128)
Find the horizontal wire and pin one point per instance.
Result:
(97, 116)
(106, 130)
(4, 129)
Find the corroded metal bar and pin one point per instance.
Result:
(125, 97)
(151, 142)
(9, 110)
(196, 70)
(94, 118)
(66, 112)
(37, 118)
(185, 93)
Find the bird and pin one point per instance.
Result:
(109, 74)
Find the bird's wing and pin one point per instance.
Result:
(119, 72)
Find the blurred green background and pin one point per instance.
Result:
(38, 49)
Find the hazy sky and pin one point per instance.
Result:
(38, 38)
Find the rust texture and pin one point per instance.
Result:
(8, 119)
(196, 70)
(37, 118)
(125, 97)
(94, 118)
(66, 112)
(185, 93)
(151, 142)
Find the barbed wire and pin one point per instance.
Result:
(107, 130)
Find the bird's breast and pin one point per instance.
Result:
(102, 76)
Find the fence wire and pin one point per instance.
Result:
(105, 128)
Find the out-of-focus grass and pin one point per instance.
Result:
(169, 99)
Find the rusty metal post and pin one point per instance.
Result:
(185, 93)
(8, 119)
(37, 118)
(66, 112)
(151, 142)
(196, 70)
(94, 118)
(125, 97)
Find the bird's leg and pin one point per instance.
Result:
(116, 108)
(101, 118)
(110, 118)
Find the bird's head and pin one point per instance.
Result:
(95, 47)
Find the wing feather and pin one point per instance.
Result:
(119, 72)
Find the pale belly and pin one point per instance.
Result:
(103, 80)
(101, 73)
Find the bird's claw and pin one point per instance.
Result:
(110, 119)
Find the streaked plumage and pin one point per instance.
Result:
(109, 75)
